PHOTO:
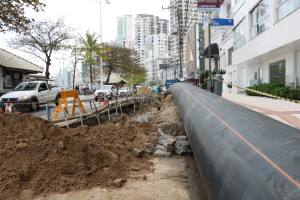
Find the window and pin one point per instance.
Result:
(285, 7)
(235, 5)
(43, 87)
(230, 55)
(239, 35)
(277, 72)
(260, 18)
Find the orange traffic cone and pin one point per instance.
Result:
(8, 108)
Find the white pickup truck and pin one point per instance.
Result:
(26, 94)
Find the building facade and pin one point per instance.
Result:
(151, 43)
(183, 17)
(14, 70)
(264, 44)
(125, 32)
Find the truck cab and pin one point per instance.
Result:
(27, 94)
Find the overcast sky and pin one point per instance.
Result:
(85, 15)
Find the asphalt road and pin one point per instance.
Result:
(41, 112)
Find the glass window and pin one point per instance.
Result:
(260, 18)
(285, 7)
(26, 86)
(43, 87)
(235, 5)
(239, 35)
(277, 72)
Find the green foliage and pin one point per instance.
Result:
(265, 87)
(123, 60)
(275, 89)
(12, 14)
(152, 83)
(91, 48)
(293, 94)
(229, 85)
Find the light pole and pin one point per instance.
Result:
(100, 37)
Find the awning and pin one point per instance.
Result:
(13, 61)
(113, 79)
(214, 51)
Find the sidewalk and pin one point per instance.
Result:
(283, 111)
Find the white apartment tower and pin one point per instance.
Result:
(183, 16)
(264, 44)
(151, 42)
(125, 31)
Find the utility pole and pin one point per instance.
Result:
(209, 53)
(180, 41)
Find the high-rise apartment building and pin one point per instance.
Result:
(183, 17)
(151, 42)
(125, 31)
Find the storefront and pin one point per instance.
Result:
(14, 70)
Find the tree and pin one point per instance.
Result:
(76, 58)
(91, 49)
(123, 60)
(41, 39)
(12, 15)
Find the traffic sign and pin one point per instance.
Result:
(222, 22)
(209, 5)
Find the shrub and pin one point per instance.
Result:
(293, 94)
(275, 89)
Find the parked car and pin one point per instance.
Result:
(124, 90)
(27, 94)
(104, 90)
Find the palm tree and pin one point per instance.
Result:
(91, 48)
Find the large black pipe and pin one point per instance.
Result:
(243, 154)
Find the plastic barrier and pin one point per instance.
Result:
(64, 101)
(243, 154)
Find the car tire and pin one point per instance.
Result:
(57, 99)
(33, 105)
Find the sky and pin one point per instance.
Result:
(84, 15)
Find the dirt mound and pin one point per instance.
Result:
(144, 90)
(37, 155)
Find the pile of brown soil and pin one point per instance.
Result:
(37, 155)
(144, 90)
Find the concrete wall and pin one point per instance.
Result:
(279, 34)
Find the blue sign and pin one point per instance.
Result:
(222, 22)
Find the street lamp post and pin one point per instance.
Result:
(100, 37)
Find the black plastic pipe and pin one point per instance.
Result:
(243, 154)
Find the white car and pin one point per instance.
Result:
(104, 90)
(124, 90)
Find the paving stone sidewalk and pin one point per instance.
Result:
(283, 111)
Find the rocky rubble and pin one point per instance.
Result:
(166, 145)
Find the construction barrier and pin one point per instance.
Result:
(64, 101)
(258, 92)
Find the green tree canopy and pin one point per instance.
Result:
(123, 60)
(12, 14)
(91, 50)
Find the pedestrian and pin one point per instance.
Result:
(81, 89)
(94, 87)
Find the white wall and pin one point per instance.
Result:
(279, 34)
